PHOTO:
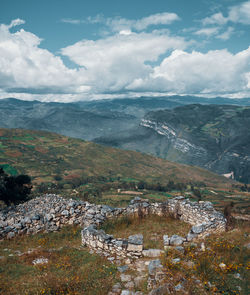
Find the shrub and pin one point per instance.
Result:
(14, 189)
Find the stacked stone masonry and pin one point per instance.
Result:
(202, 216)
(51, 212)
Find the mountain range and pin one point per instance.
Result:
(210, 133)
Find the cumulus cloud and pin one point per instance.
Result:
(23, 65)
(125, 63)
(215, 32)
(237, 14)
(216, 72)
(114, 62)
(240, 13)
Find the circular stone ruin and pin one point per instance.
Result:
(51, 212)
(202, 216)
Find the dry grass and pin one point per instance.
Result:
(70, 269)
(223, 268)
(152, 228)
(50, 148)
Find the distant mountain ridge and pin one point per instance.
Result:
(177, 128)
(210, 136)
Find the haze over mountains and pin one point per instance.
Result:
(214, 136)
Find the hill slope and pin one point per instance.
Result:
(45, 155)
(215, 137)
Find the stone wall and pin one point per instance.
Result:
(107, 245)
(51, 212)
(202, 216)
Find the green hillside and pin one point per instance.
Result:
(48, 157)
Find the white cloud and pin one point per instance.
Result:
(125, 32)
(25, 66)
(237, 14)
(240, 13)
(114, 62)
(207, 31)
(117, 24)
(216, 18)
(123, 64)
(216, 72)
(16, 22)
(164, 18)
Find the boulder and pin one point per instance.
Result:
(176, 240)
(166, 240)
(122, 268)
(161, 290)
(154, 265)
(136, 239)
(197, 229)
(190, 236)
(152, 252)
(125, 278)
(65, 213)
(134, 248)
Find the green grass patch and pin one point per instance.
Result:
(24, 138)
(9, 169)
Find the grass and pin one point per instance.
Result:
(223, 268)
(241, 200)
(152, 228)
(60, 154)
(70, 269)
(73, 270)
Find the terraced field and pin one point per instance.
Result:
(48, 156)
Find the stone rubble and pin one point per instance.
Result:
(51, 212)
(202, 216)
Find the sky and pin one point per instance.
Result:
(71, 50)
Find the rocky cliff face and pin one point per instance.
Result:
(214, 137)
(177, 142)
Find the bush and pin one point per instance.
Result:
(14, 189)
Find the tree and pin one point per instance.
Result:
(197, 194)
(14, 189)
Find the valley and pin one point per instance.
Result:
(213, 135)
